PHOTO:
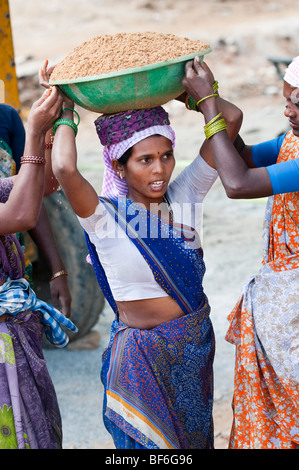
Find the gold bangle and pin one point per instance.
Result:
(213, 120)
(63, 272)
(205, 98)
(214, 126)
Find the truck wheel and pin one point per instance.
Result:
(87, 297)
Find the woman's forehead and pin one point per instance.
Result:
(151, 143)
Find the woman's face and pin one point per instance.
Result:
(149, 169)
(291, 95)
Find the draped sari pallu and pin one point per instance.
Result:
(264, 326)
(159, 382)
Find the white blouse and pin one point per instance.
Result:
(128, 274)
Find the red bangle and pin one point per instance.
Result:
(48, 145)
(33, 159)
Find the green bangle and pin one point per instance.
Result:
(66, 121)
(74, 111)
(215, 86)
(191, 103)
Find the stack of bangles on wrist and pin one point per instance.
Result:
(191, 104)
(33, 159)
(63, 272)
(68, 122)
(214, 126)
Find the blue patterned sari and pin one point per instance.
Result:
(159, 382)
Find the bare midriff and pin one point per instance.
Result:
(148, 313)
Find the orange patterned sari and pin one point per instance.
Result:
(264, 327)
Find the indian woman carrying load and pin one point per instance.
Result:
(143, 235)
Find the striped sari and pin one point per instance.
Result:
(159, 382)
(264, 327)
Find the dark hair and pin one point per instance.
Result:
(125, 156)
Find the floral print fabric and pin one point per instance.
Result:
(264, 327)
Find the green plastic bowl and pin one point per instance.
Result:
(138, 88)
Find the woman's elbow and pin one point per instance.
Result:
(231, 194)
(234, 190)
(26, 222)
(62, 172)
(234, 120)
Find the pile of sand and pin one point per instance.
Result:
(122, 51)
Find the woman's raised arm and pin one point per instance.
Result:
(238, 179)
(22, 208)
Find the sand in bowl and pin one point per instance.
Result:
(111, 53)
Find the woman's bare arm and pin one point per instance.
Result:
(238, 179)
(79, 192)
(22, 208)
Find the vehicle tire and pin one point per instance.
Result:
(87, 297)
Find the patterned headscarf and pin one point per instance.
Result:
(119, 132)
(292, 73)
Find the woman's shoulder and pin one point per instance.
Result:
(193, 183)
